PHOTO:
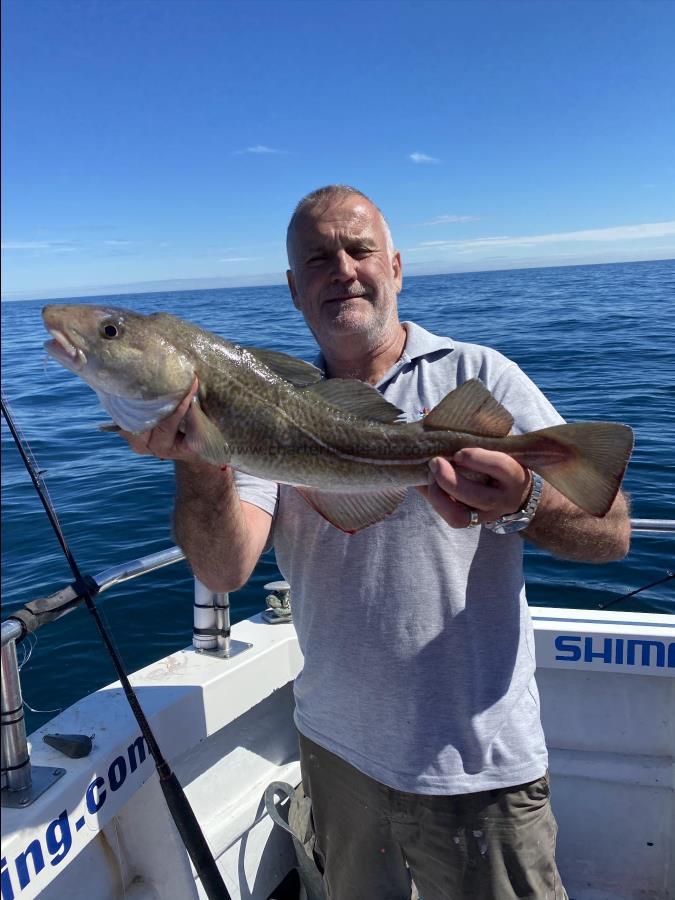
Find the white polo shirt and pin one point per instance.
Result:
(417, 639)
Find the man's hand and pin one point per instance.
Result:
(485, 481)
(165, 440)
(221, 536)
(491, 484)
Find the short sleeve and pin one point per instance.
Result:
(258, 491)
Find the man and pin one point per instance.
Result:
(421, 744)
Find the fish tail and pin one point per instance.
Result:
(585, 461)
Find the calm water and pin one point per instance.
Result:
(597, 340)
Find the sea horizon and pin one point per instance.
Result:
(178, 285)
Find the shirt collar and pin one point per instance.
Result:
(419, 342)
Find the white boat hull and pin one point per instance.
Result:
(103, 830)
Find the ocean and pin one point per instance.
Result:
(598, 340)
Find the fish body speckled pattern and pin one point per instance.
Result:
(338, 441)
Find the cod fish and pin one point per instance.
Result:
(337, 441)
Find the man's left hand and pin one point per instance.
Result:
(486, 482)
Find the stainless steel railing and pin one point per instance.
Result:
(12, 628)
(652, 525)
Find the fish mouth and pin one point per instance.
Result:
(65, 352)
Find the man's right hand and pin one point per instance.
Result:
(165, 440)
(221, 536)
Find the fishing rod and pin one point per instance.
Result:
(667, 577)
(178, 804)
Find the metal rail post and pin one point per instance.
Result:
(211, 630)
(16, 775)
(223, 639)
(22, 782)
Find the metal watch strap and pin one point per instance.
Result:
(517, 521)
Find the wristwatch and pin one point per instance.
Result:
(518, 520)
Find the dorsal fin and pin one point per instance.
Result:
(357, 398)
(470, 408)
(298, 372)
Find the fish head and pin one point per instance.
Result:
(133, 361)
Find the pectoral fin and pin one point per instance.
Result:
(204, 438)
(352, 512)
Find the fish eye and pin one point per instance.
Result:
(109, 330)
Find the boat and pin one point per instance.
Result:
(86, 817)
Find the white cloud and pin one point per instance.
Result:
(448, 220)
(617, 233)
(25, 245)
(46, 246)
(115, 243)
(422, 158)
(28, 245)
(230, 259)
(260, 149)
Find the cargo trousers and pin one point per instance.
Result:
(371, 840)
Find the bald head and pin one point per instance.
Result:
(314, 204)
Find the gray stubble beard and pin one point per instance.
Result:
(379, 324)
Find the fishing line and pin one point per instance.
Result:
(28, 706)
(27, 648)
(27, 652)
(85, 586)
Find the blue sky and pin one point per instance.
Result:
(163, 143)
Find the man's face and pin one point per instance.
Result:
(344, 279)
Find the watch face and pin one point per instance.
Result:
(509, 526)
(517, 521)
